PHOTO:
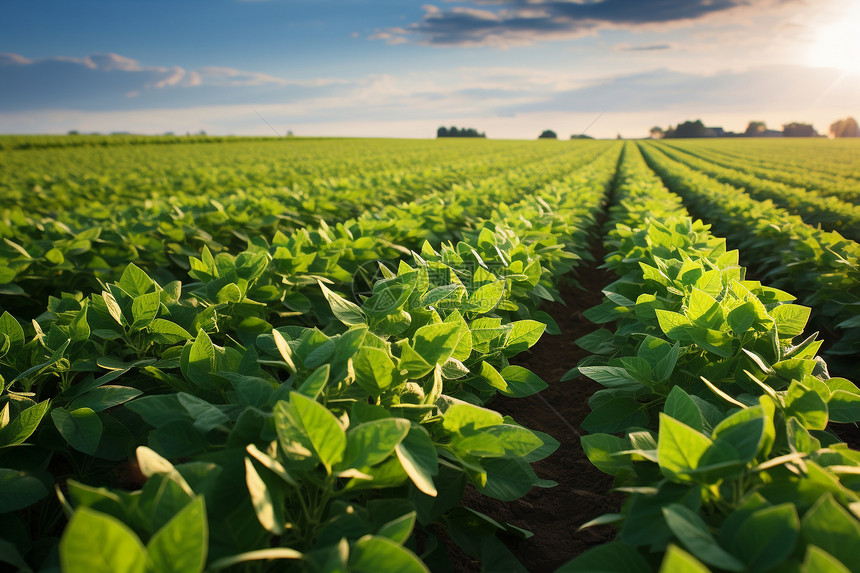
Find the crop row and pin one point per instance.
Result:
(821, 183)
(831, 213)
(713, 419)
(263, 438)
(822, 267)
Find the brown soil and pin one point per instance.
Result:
(555, 514)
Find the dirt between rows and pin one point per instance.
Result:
(555, 514)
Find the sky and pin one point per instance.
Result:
(510, 68)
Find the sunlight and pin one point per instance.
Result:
(837, 44)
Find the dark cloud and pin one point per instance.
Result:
(507, 22)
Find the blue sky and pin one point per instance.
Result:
(355, 68)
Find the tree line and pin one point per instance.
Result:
(841, 128)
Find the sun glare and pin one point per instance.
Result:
(837, 44)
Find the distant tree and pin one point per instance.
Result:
(795, 129)
(618, 136)
(845, 128)
(548, 134)
(656, 132)
(289, 133)
(73, 132)
(581, 136)
(755, 129)
(459, 132)
(688, 129)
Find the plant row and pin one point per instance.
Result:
(822, 183)
(715, 418)
(830, 213)
(822, 267)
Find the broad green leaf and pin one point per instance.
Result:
(97, 543)
(374, 370)
(679, 448)
(316, 382)
(134, 281)
(82, 428)
(693, 533)
(323, 429)
(487, 297)
(677, 560)
(790, 319)
(398, 530)
(767, 537)
(742, 317)
(436, 342)
(182, 544)
(372, 554)
(12, 329)
(819, 561)
(681, 407)
(23, 425)
(144, 309)
(201, 359)
(206, 416)
(18, 490)
(166, 332)
(521, 382)
(267, 501)
(345, 311)
(806, 405)
(830, 527)
(600, 449)
(616, 415)
(463, 415)
(419, 459)
(372, 442)
(524, 334)
(104, 397)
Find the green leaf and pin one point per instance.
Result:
(181, 545)
(284, 350)
(201, 359)
(436, 342)
(372, 554)
(167, 332)
(741, 318)
(82, 428)
(315, 383)
(23, 425)
(601, 450)
(677, 560)
(134, 281)
(258, 555)
(206, 416)
(459, 416)
(104, 397)
(374, 370)
(419, 459)
(345, 311)
(521, 382)
(524, 334)
(829, 526)
(398, 530)
(372, 442)
(268, 501)
(616, 415)
(681, 407)
(18, 490)
(790, 319)
(819, 561)
(806, 405)
(323, 429)
(487, 297)
(144, 309)
(12, 329)
(767, 537)
(693, 533)
(97, 543)
(679, 448)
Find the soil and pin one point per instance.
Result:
(555, 514)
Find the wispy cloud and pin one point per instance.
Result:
(505, 23)
(645, 48)
(108, 81)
